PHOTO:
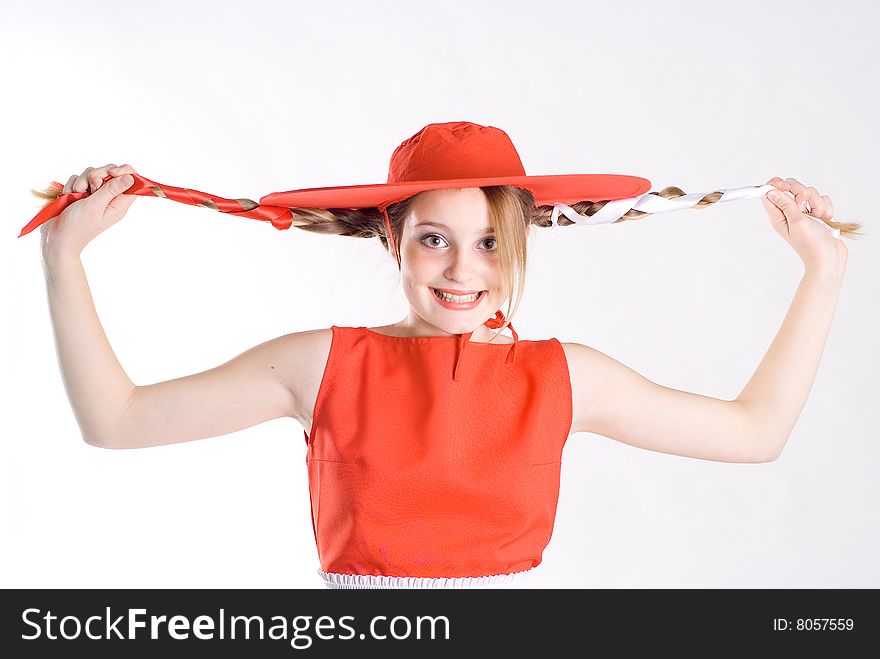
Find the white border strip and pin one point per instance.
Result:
(338, 580)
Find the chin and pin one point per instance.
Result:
(458, 321)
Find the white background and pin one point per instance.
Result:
(244, 99)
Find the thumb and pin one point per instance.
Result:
(113, 188)
(784, 203)
(781, 210)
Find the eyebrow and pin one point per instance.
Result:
(443, 226)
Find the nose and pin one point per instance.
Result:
(460, 267)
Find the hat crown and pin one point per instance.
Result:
(455, 150)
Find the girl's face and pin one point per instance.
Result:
(449, 243)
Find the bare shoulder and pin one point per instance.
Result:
(301, 357)
(575, 357)
(590, 372)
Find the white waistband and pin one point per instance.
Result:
(338, 580)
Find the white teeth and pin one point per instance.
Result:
(455, 298)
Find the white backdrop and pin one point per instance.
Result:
(243, 99)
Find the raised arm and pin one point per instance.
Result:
(611, 399)
(778, 389)
(258, 385)
(96, 384)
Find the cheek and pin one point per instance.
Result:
(415, 256)
(499, 291)
(418, 267)
(415, 277)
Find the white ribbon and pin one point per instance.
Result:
(652, 203)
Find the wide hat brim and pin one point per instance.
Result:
(564, 188)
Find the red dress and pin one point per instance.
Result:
(435, 456)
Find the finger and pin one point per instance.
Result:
(801, 200)
(778, 183)
(68, 187)
(786, 204)
(805, 201)
(829, 208)
(813, 201)
(776, 216)
(121, 203)
(795, 186)
(82, 183)
(122, 169)
(114, 187)
(96, 176)
(95, 179)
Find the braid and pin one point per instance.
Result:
(358, 223)
(542, 214)
(369, 223)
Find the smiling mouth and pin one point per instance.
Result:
(458, 299)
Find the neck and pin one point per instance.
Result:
(414, 326)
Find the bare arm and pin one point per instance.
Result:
(114, 413)
(778, 390)
(97, 386)
(611, 399)
(263, 383)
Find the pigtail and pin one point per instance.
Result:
(543, 214)
(48, 194)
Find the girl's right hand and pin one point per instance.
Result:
(83, 220)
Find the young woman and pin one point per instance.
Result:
(433, 443)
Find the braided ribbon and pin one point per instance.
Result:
(282, 218)
(652, 203)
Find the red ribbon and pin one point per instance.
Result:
(281, 218)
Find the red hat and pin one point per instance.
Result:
(460, 154)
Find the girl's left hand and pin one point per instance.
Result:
(815, 244)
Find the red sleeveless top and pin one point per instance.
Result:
(425, 461)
